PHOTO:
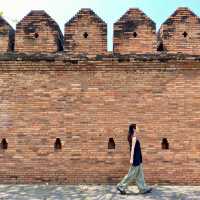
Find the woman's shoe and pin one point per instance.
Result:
(146, 191)
(121, 191)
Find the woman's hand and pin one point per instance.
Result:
(131, 161)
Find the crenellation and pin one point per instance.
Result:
(86, 34)
(134, 32)
(181, 32)
(7, 36)
(38, 32)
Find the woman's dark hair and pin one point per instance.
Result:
(131, 130)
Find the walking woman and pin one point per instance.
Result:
(136, 168)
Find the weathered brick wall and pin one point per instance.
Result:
(38, 32)
(7, 36)
(85, 104)
(181, 32)
(85, 96)
(86, 34)
(134, 32)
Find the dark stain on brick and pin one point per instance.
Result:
(171, 30)
(152, 24)
(118, 33)
(169, 21)
(99, 57)
(13, 176)
(130, 26)
(166, 34)
(25, 57)
(30, 28)
(175, 13)
(123, 59)
(74, 62)
(184, 18)
(68, 36)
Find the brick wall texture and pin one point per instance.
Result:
(84, 101)
(38, 32)
(181, 32)
(86, 33)
(134, 32)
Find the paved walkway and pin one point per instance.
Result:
(94, 192)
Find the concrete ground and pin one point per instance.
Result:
(95, 192)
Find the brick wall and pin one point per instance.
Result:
(134, 32)
(86, 34)
(38, 32)
(58, 111)
(87, 103)
(181, 32)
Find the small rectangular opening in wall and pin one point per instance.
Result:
(57, 144)
(4, 144)
(111, 143)
(165, 143)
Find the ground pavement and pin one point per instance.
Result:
(95, 192)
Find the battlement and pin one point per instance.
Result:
(134, 32)
(85, 34)
(181, 32)
(38, 32)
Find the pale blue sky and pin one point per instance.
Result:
(109, 10)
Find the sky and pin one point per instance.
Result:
(109, 10)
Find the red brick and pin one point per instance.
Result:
(38, 32)
(86, 34)
(181, 32)
(134, 32)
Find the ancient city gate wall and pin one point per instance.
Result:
(91, 102)
(65, 106)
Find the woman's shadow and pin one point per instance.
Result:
(165, 192)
